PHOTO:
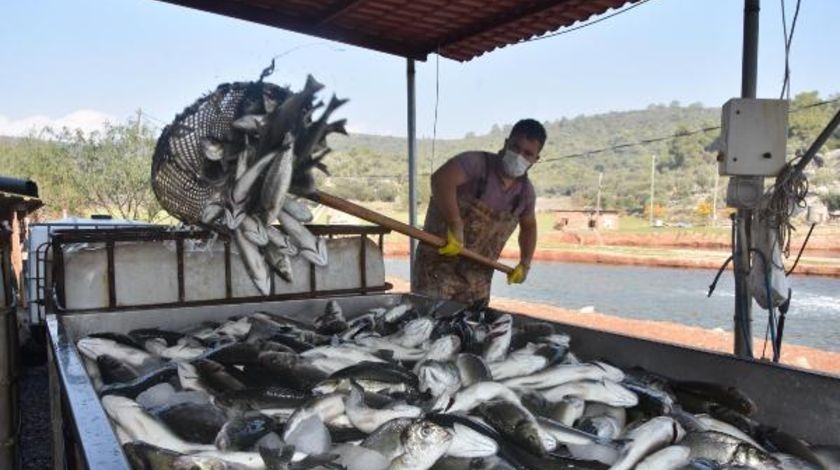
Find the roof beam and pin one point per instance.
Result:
(301, 25)
(336, 11)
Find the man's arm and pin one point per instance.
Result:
(445, 182)
(527, 238)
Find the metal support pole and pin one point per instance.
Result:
(743, 218)
(412, 157)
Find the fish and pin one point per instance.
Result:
(444, 348)
(400, 353)
(114, 371)
(254, 230)
(655, 434)
(212, 149)
(387, 438)
(378, 372)
(243, 431)
(278, 178)
(142, 455)
(669, 458)
(307, 243)
(481, 392)
(254, 262)
(318, 130)
(413, 333)
(569, 435)
(603, 391)
(265, 397)
(279, 262)
(423, 444)
(725, 449)
(141, 335)
(501, 332)
(696, 396)
(517, 424)
(192, 422)
(332, 321)
(565, 373)
(241, 188)
(181, 351)
(139, 360)
(250, 123)
(284, 118)
(368, 419)
(440, 379)
(517, 365)
(297, 209)
(139, 425)
(327, 407)
(215, 377)
(472, 369)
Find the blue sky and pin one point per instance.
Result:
(75, 62)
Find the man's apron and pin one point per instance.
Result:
(486, 230)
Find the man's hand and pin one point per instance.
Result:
(518, 275)
(454, 243)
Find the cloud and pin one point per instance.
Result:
(85, 119)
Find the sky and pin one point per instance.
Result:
(78, 63)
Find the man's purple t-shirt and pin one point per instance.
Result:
(480, 165)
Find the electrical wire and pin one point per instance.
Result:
(437, 97)
(801, 249)
(788, 41)
(638, 143)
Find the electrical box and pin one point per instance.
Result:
(753, 137)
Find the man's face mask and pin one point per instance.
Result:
(514, 164)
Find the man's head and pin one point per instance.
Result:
(522, 147)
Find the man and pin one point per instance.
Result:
(478, 199)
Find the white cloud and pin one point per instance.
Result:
(87, 120)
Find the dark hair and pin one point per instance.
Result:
(531, 129)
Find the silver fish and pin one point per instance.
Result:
(280, 262)
(212, 149)
(441, 379)
(326, 407)
(602, 391)
(725, 449)
(516, 365)
(468, 443)
(139, 425)
(254, 230)
(317, 130)
(472, 369)
(368, 419)
(669, 458)
(413, 333)
(139, 360)
(565, 373)
(500, 335)
(244, 183)
(297, 210)
(655, 434)
(278, 177)
(423, 444)
(444, 348)
(254, 262)
(481, 392)
(387, 438)
(401, 353)
(285, 117)
(211, 212)
(250, 123)
(280, 241)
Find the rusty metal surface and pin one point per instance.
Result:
(457, 29)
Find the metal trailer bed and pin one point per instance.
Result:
(803, 403)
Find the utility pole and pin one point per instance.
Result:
(652, 176)
(743, 218)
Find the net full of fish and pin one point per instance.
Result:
(400, 388)
(237, 160)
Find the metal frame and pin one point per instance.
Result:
(41, 252)
(110, 238)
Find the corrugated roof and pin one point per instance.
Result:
(458, 29)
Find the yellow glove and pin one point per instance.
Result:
(518, 275)
(453, 244)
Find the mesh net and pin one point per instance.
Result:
(183, 180)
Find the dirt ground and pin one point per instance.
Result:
(694, 337)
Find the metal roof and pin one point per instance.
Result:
(457, 29)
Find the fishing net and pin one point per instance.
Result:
(183, 180)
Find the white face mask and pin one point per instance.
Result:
(514, 164)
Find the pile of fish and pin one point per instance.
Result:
(234, 162)
(404, 388)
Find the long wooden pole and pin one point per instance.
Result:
(397, 226)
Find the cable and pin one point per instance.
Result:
(802, 249)
(437, 97)
(569, 30)
(625, 145)
(788, 42)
